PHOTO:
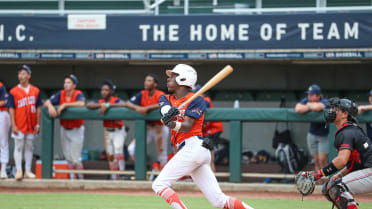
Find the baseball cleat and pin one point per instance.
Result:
(19, 174)
(29, 175)
(3, 175)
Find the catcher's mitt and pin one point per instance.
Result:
(305, 182)
(168, 117)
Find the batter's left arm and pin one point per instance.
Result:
(185, 126)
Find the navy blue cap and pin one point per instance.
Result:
(370, 92)
(109, 83)
(24, 67)
(73, 78)
(314, 89)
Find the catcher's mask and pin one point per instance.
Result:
(345, 105)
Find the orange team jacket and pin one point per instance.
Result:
(194, 109)
(61, 98)
(211, 127)
(143, 99)
(112, 123)
(3, 96)
(25, 105)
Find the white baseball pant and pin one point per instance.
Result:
(23, 142)
(4, 133)
(194, 160)
(114, 143)
(155, 133)
(72, 141)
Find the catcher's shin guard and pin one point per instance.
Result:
(336, 192)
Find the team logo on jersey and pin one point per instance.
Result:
(197, 111)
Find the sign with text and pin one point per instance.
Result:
(197, 32)
(86, 22)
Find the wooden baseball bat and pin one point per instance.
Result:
(212, 82)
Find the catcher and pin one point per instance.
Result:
(354, 159)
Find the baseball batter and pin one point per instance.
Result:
(72, 131)
(4, 131)
(354, 159)
(114, 130)
(193, 155)
(24, 103)
(144, 101)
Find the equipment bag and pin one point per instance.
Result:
(291, 158)
(281, 136)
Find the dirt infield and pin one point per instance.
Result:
(255, 195)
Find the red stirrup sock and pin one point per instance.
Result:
(120, 160)
(352, 206)
(172, 198)
(233, 203)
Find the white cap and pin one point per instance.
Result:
(187, 75)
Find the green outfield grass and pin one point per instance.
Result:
(101, 201)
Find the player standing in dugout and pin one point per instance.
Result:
(72, 131)
(4, 131)
(114, 130)
(353, 162)
(144, 101)
(24, 109)
(193, 156)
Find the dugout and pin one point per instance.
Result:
(253, 83)
(273, 56)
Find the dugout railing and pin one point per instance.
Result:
(234, 116)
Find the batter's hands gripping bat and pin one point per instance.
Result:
(168, 117)
(227, 70)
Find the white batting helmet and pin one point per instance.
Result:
(186, 75)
